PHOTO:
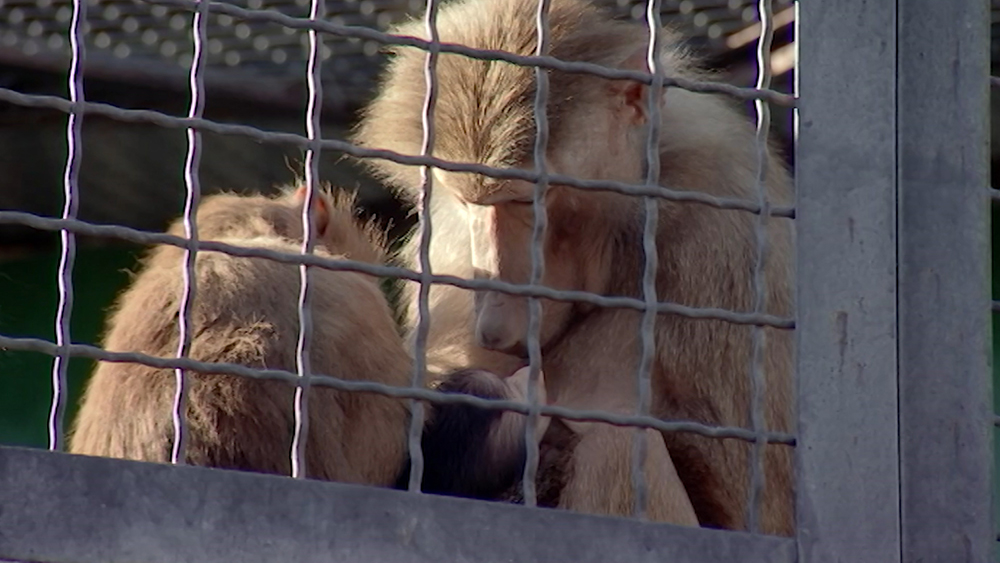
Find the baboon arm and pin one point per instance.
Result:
(587, 373)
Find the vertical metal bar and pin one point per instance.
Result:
(847, 450)
(68, 240)
(303, 367)
(651, 207)
(757, 380)
(944, 285)
(537, 256)
(192, 186)
(424, 213)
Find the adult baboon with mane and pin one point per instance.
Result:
(706, 256)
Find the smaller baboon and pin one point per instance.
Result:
(245, 312)
(479, 453)
(473, 452)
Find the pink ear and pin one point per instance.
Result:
(635, 101)
(632, 95)
(321, 213)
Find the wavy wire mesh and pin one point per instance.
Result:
(303, 378)
(302, 347)
(424, 215)
(68, 239)
(651, 209)
(539, 224)
(193, 188)
(757, 334)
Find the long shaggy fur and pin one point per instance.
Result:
(245, 312)
(706, 255)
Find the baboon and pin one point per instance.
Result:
(245, 312)
(473, 452)
(478, 453)
(706, 256)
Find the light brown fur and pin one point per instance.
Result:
(594, 243)
(245, 312)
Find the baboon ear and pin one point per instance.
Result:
(631, 95)
(321, 210)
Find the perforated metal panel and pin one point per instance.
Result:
(132, 39)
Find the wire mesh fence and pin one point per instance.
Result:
(360, 512)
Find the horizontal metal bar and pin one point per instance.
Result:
(64, 508)
(164, 120)
(145, 237)
(553, 63)
(325, 380)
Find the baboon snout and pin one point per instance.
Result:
(492, 334)
(499, 327)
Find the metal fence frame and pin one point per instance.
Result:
(894, 437)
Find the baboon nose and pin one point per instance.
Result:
(498, 343)
(495, 332)
(494, 340)
(488, 340)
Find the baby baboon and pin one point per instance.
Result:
(706, 255)
(473, 452)
(245, 312)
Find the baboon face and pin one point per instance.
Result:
(602, 140)
(501, 236)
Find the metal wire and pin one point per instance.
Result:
(408, 392)
(649, 305)
(192, 186)
(157, 118)
(648, 324)
(424, 214)
(539, 224)
(67, 257)
(303, 347)
(550, 63)
(145, 237)
(757, 381)
(69, 226)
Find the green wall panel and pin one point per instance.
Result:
(28, 302)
